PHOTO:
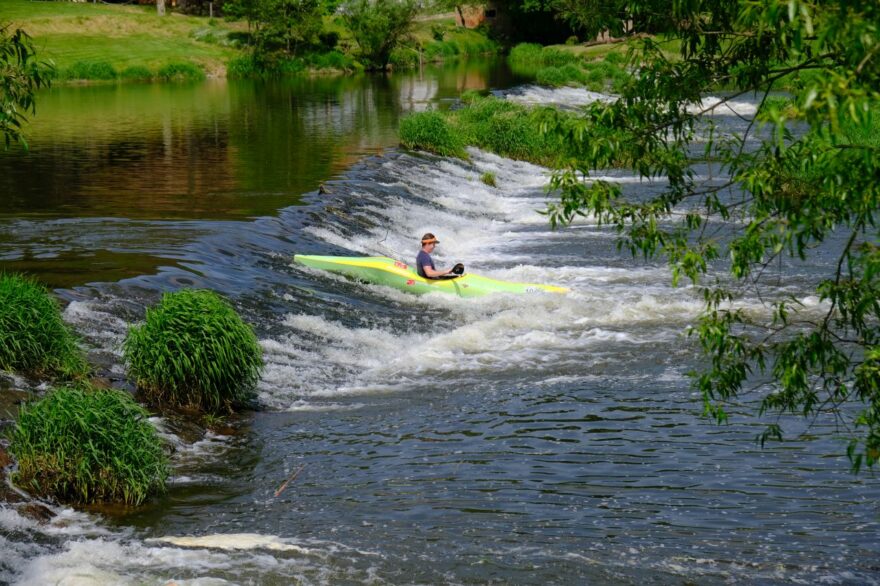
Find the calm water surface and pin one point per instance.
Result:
(545, 439)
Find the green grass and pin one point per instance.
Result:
(85, 446)
(180, 71)
(194, 351)
(33, 337)
(77, 35)
(430, 131)
(488, 178)
(122, 36)
(492, 124)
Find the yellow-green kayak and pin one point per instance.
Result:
(382, 270)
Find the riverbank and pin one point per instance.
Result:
(108, 43)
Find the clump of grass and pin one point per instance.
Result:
(430, 131)
(88, 445)
(136, 73)
(89, 70)
(561, 76)
(526, 53)
(194, 351)
(182, 71)
(33, 337)
(489, 179)
(492, 124)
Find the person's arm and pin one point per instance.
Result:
(433, 273)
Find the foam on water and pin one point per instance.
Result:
(569, 97)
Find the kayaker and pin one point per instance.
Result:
(425, 265)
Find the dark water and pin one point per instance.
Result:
(546, 439)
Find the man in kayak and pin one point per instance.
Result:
(425, 265)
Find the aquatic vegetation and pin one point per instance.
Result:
(489, 179)
(33, 337)
(430, 131)
(83, 445)
(194, 351)
(492, 124)
(561, 76)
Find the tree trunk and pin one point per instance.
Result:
(160, 7)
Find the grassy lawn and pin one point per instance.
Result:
(123, 36)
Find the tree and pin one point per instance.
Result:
(786, 194)
(280, 25)
(20, 77)
(379, 26)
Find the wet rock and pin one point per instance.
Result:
(36, 512)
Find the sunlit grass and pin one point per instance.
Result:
(492, 124)
(33, 337)
(194, 351)
(87, 446)
(121, 36)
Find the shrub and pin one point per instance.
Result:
(136, 73)
(489, 179)
(86, 446)
(332, 60)
(182, 71)
(33, 337)
(194, 351)
(437, 31)
(90, 70)
(572, 40)
(429, 131)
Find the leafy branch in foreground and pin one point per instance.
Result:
(784, 196)
(20, 77)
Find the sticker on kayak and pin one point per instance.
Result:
(410, 282)
(400, 265)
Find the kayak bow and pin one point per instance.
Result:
(381, 270)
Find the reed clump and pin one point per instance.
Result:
(492, 124)
(82, 445)
(194, 351)
(431, 131)
(34, 339)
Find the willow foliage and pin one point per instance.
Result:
(785, 193)
(21, 75)
(194, 351)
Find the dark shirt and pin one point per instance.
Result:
(423, 259)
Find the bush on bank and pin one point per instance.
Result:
(88, 445)
(33, 337)
(194, 351)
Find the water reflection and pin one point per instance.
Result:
(212, 151)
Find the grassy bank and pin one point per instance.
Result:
(561, 65)
(107, 43)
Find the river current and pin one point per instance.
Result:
(539, 439)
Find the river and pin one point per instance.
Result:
(543, 439)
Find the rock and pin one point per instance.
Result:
(36, 512)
